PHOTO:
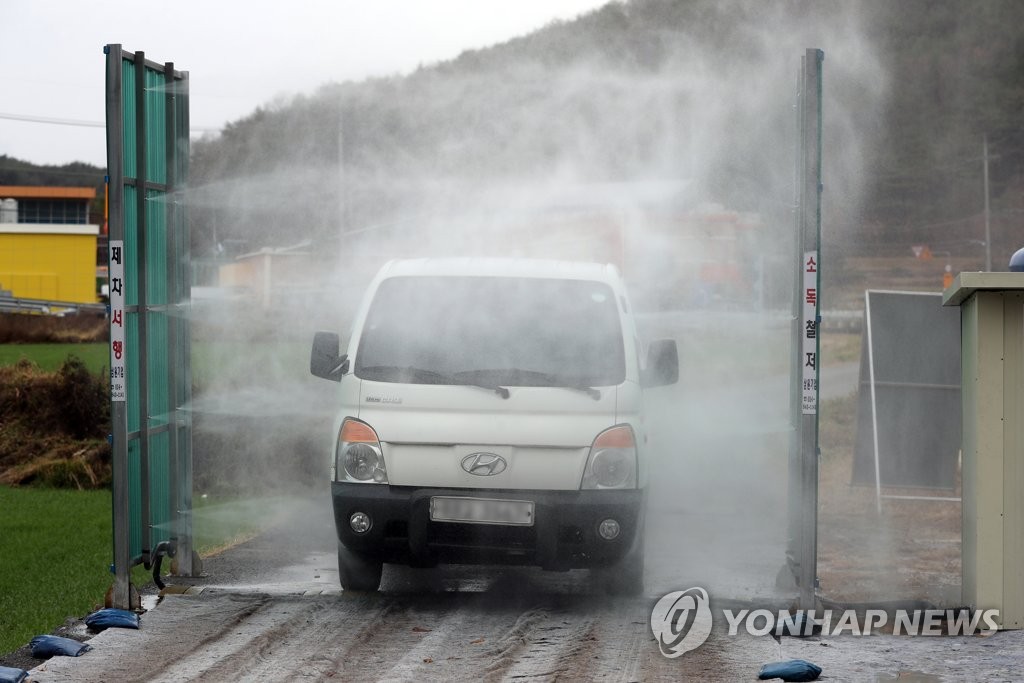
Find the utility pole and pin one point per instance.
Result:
(988, 231)
(342, 203)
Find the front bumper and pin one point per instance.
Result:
(564, 534)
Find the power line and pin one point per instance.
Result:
(83, 124)
(59, 122)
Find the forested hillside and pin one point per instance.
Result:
(692, 95)
(695, 91)
(957, 75)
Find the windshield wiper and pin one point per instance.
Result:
(425, 376)
(592, 392)
(546, 379)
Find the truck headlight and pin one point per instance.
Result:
(359, 457)
(611, 463)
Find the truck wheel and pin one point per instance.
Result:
(357, 572)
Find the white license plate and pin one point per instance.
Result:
(481, 511)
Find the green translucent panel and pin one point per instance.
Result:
(134, 498)
(156, 127)
(159, 487)
(156, 248)
(131, 349)
(130, 134)
(131, 246)
(157, 368)
(182, 274)
(183, 389)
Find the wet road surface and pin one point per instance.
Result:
(271, 608)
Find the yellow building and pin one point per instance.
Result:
(47, 246)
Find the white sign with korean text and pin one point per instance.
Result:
(118, 384)
(809, 334)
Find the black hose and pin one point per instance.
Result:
(168, 548)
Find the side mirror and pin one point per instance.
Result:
(324, 360)
(662, 364)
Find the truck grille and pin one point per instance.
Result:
(490, 536)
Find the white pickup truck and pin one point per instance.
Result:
(491, 413)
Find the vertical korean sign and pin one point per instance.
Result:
(809, 325)
(118, 387)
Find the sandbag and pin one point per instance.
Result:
(112, 617)
(51, 646)
(792, 670)
(9, 674)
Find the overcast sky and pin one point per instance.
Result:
(239, 54)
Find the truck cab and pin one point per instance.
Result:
(490, 412)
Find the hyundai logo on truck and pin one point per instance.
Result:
(484, 464)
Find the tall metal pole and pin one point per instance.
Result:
(121, 597)
(177, 325)
(142, 300)
(988, 231)
(186, 550)
(807, 338)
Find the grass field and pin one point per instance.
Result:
(55, 553)
(219, 363)
(55, 550)
(49, 357)
(212, 361)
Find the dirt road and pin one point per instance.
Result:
(271, 609)
(291, 622)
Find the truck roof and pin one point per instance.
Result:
(501, 267)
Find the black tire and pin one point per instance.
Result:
(357, 572)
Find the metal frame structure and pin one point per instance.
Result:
(874, 406)
(147, 161)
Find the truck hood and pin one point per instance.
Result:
(542, 433)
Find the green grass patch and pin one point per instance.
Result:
(837, 425)
(50, 357)
(56, 550)
(213, 362)
(220, 522)
(55, 553)
(728, 357)
(242, 363)
(840, 347)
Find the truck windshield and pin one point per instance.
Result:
(502, 331)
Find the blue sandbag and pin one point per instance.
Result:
(51, 646)
(792, 670)
(106, 618)
(8, 674)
